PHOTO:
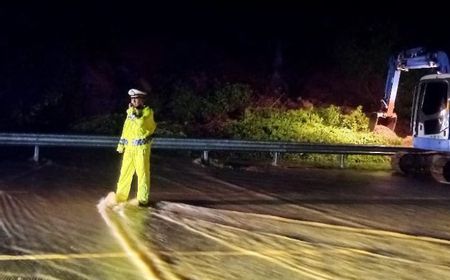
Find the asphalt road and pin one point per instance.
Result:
(211, 223)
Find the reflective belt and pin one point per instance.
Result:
(142, 141)
(135, 142)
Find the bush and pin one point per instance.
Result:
(109, 124)
(226, 100)
(169, 129)
(323, 125)
(186, 105)
(333, 116)
(207, 113)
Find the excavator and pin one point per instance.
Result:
(429, 116)
(416, 58)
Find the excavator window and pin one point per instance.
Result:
(435, 98)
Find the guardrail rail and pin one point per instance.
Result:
(204, 145)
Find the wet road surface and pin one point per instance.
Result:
(209, 223)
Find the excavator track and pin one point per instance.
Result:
(411, 163)
(432, 164)
(440, 168)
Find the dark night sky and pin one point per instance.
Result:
(98, 24)
(103, 27)
(244, 32)
(45, 46)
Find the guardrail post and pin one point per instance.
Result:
(275, 158)
(342, 158)
(205, 157)
(36, 153)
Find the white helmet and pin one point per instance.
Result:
(136, 93)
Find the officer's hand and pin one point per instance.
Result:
(120, 149)
(130, 111)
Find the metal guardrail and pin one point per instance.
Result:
(205, 145)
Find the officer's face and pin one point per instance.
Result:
(137, 102)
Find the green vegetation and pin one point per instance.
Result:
(205, 114)
(110, 124)
(323, 125)
(226, 112)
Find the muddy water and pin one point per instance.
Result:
(220, 224)
(50, 227)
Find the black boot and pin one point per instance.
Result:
(143, 204)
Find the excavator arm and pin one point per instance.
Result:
(416, 58)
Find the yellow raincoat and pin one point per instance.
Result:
(135, 144)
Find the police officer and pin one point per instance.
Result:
(135, 144)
